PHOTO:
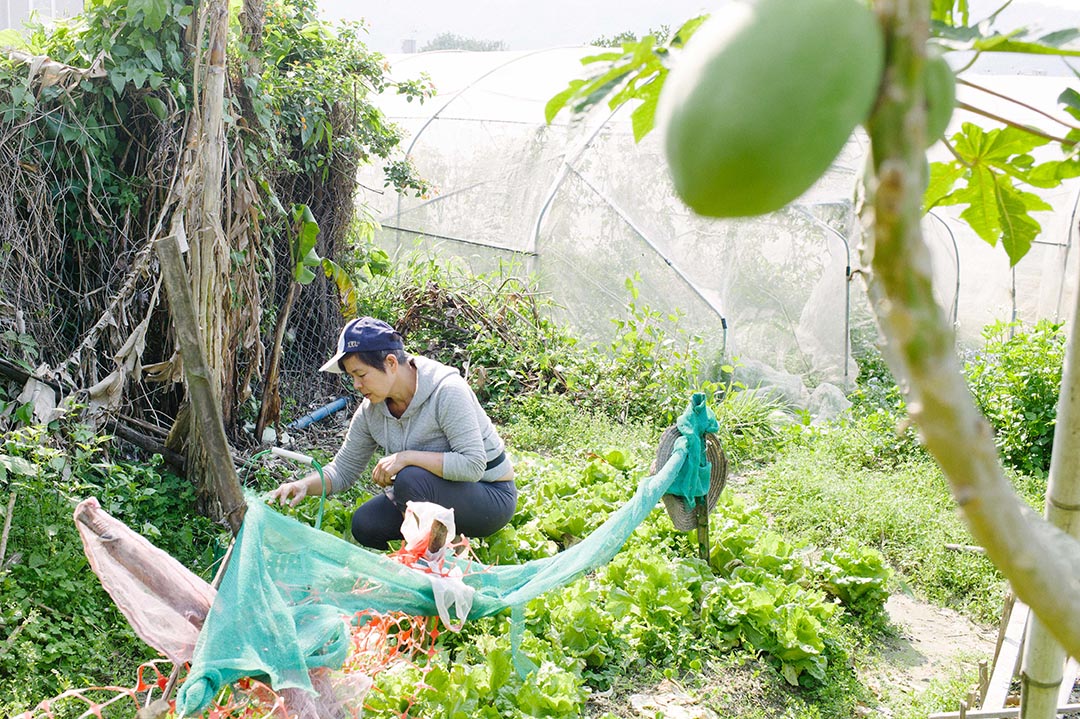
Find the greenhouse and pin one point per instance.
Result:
(583, 207)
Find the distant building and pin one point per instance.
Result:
(13, 13)
(408, 46)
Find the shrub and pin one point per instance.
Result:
(1016, 379)
(496, 328)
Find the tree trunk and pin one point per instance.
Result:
(209, 252)
(1041, 561)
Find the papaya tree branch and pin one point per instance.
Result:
(1026, 128)
(954, 153)
(1026, 106)
(1041, 561)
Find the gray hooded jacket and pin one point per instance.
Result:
(443, 416)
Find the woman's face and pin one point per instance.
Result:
(369, 381)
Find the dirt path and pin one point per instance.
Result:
(933, 643)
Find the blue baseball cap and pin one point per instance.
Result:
(364, 334)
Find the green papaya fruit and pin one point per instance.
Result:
(939, 84)
(763, 99)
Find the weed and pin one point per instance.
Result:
(63, 630)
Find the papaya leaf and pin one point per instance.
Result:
(558, 102)
(995, 147)
(1003, 44)
(1060, 37)
(635, 73)
(1070, 97)
(998, 210)
(1050, 174)
(1018, 228)
(600, 87)
(943, 177)
(1070, 101)
(982, 38)
(603, 57)
(989, 161)
(982, 210)
(643, 118)
(687, 30)
(945, 11)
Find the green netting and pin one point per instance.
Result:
(289, 591)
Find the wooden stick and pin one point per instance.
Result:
(965, 548)
(205, 405)
(1003, 713)
(174, 459)
(701, 513)
(7, 528)
(144, 425)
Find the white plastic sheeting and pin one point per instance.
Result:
(582, 207)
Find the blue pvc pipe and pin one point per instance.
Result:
(325, 411)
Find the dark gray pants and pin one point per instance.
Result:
(480, 508)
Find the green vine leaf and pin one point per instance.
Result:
(153, 12)
(157, 107)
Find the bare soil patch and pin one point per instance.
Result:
(932, 642)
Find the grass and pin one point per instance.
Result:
(550, 425)
(943, 694)
(905, 510)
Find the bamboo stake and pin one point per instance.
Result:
(1044, 657)
(1041, 562)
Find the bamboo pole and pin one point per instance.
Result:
(1044, 657)
(203, 391)
(1041, 562)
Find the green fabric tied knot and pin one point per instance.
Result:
(692, 481)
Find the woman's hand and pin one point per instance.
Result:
(388, 467)
(293, 492)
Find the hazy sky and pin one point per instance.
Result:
(521, 24)
(532, 24)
